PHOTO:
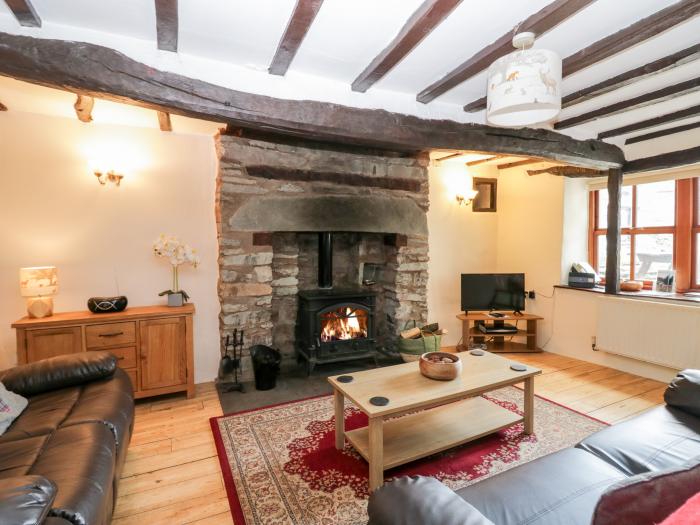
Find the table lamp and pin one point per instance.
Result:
(39, 285)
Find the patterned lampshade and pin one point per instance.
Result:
(40, 281)
(524, 88)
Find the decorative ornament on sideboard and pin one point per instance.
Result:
(104, 305)
(177, 253)
(39, 284)
(524, 87)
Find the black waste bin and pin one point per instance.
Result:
(266, 366)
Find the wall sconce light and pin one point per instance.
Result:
(110, 176)
(467, 198)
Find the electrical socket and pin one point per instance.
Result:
(593, 341)
(531, 294)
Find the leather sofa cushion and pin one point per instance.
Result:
(684, 392)
(43, 415)
(80, 459)
(58, 372)
(25, 500)
(17, 457)
(660, 438)
(647, 499)
(418, 499)
(561, 488)
(108, 401)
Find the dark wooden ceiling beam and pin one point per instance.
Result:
(654, 97)
(302, 17)
(83, 107)
(663, 133)
(426, 18)
(539, 23)
(652, 122)
(675, 159)
(167, 25)
(632, 35)
(661, 65)
(569, 171)
(24, 12)
(164, 121)
(106, 73)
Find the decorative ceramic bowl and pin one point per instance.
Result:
(442, 366)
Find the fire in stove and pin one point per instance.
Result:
(343, 324)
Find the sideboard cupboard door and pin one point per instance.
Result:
(163, 353)
(50, 342)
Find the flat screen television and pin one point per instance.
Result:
(493, 291)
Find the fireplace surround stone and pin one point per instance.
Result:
(274, 195)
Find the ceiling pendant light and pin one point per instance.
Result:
(524, 87)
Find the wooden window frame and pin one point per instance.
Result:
(687, 224)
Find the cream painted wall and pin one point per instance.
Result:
(53, 212)
(460, 242)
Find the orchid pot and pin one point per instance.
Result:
(177, 254)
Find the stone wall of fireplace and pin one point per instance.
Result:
(273, 198)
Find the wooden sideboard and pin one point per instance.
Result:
(153, 344)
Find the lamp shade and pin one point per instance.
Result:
(524, 88)
(40, 281)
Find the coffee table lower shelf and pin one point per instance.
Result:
(414, 436)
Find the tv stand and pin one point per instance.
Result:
(499, 343)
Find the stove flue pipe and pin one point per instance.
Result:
(325, 260)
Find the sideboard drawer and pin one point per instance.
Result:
(126, 356)
(113, 334)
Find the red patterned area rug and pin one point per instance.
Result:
(281, 467)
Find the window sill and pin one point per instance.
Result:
(693, 298)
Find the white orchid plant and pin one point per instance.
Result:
(176, 253)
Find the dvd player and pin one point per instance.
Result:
(504, 328)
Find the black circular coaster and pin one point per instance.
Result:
(344, 379)
(518, 367)
(476, 352)
(379, 401)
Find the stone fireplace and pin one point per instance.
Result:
(276, 198)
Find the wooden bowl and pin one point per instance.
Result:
(440, 371)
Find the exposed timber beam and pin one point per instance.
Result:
(164, 121)
(450, 156)
(167, 25)
(654, 97)
(106, 73)
(519, 163)
(426, 18)
(652, 122)
(661, 65)
(539, 23)
(569, 171)
(83, 107)
(24, 12)
(630, 36)
(675, 159)
(613, 236)
(302, 17)
(663, 133)
(484, 161)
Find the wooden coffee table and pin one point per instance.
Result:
(450, 413)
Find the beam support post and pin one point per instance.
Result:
(612, 263)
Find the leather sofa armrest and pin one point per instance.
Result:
(58, 372)
(25, 500)
(684, 392)
(419, 499)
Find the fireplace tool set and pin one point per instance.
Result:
(230, 364)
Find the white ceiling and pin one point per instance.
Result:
(232, 42)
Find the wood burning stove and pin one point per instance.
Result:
(334, 325)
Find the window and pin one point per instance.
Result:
(660, 227)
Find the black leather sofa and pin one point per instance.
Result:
(60, 460)
(635, 472)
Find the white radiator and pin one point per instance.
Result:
(661, 333)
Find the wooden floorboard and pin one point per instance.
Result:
(172, 475)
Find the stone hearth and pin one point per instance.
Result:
(275, 195)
